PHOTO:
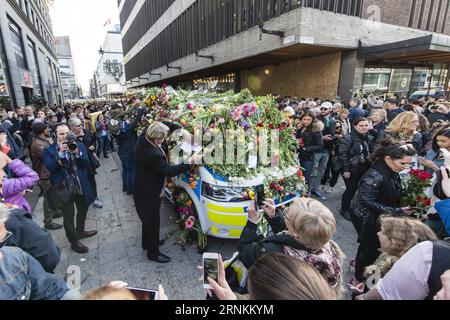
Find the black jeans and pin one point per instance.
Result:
(68, 210)
(93, 184)
(369, 244)
(352, 186)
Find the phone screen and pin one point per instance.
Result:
(142, 294)
(210, 269)
(259, 195)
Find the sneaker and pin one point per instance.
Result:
(329, 189)
(53, 226)
(319, 195)
(98, 204)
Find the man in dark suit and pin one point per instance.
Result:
(151, 170)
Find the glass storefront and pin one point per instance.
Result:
(405, 81)
(217, 84)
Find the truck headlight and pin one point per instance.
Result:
(223, 194)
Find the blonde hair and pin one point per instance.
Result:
(403, 234)
(157, 130)
(402, 123)
(312, 223)
(343, 110)
(277, 276)
(108, 293)
(381, 112)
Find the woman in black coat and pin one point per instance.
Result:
(309, 131)
(151, 171)
(353, 160)
(380, 192)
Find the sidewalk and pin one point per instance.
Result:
(116, 253)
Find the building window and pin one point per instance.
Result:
(27, 9)
(34, 68)
(17, 43)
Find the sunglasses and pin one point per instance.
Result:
(324, 109)
(3, 242)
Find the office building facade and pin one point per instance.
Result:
(110, 75)
(66, 67)
(28, 63)
(323, 48)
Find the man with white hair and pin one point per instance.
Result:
(17, 229)
(86, 138)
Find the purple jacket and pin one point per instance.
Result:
(13, 188)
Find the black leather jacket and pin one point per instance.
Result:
(350, 154)
(372, 198)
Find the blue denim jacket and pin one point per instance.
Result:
(23, 278)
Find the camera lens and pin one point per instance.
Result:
(73, 147)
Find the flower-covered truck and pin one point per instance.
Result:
(213, 200)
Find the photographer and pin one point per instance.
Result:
(69, 159)
(303, 231)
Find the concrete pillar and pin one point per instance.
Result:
(351, 75)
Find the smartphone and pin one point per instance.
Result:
(144, 294)
(259, 196)
(210, 268)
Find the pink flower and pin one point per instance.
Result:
(221, 120)
(190, 106)
(189, 224)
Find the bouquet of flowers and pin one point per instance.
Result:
(415, 185)
(188, 222)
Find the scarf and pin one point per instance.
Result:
(364, 138)
(327, 261)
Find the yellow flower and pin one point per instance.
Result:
(251, 195)
(147, 101)
(153, 97)
(189, 203)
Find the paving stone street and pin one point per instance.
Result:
(116, 253)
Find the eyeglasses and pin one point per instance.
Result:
(324, 109)
(3, 242)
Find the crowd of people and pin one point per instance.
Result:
(369, 142)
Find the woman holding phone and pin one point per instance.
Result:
(303, 231)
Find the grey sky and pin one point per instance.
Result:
(83, 21)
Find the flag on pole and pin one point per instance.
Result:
(107, 22)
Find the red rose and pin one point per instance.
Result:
(279, 187)
(272, 186)
(427, 202)
(300, 173)
(424, 176)
(415, 172)
(260, 124)
(282, 181)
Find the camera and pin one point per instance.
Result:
(71, 141)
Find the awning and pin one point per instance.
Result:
(426, 51)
